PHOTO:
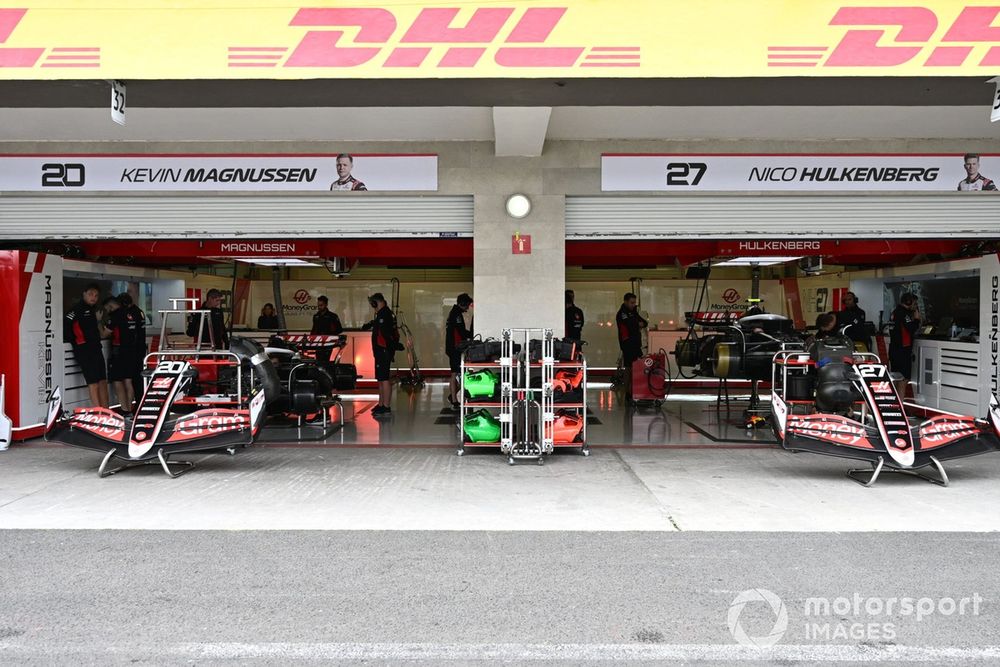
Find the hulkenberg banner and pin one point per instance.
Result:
(372, 39)
(139, 173)
(989, 329)
(799, 173)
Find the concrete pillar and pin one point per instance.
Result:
(519, 290)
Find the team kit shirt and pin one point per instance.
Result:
(326, 323)
(349, 184)
(903, 334)
(455, 330)
(128, 329)
(574, 322)
(979, 183)
(854, 319)
(384, 336)
(81, 328)
(216, 325)
(629, 323)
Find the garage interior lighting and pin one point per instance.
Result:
(276, 261)
(759, 261)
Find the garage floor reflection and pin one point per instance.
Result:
(420, 417)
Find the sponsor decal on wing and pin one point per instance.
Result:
(944, 430)
(207, 423)
(834, 429)
(103, 423)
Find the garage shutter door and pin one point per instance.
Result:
(966, 215)
(75, 217)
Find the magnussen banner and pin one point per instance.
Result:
(799, 173)
(219, 173)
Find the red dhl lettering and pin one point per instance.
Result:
(30, 56)
(459, 38)
(894, 36)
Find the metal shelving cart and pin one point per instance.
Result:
(527, 415)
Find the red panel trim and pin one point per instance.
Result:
(11, 300)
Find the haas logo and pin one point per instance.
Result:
(301, 296)
(440, 37)
(730, 296)
(893, 36)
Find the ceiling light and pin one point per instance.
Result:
(518, 206)
(275, 261)
(751, 261)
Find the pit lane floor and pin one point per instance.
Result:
(387, 553)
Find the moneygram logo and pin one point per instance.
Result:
(739, 605)
(893, 36)
(438, 38)
(301, 296)
(30, 56)
(730, 296)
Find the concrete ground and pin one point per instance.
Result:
(429, 488)
(687, 541)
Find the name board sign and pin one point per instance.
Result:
(338, 173)
(798, 173)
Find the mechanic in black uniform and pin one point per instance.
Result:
(456, 332)
(906, 321)
(630, 324)
(134, 314)
(325, 323)
(125, 360)
(216, 324)
(574, 317)
(82, 329)
(853, 317)
(385, 343)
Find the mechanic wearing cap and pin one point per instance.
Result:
(574, 317)
(456, 332)
(215, 328)
(325, 323)
(82, 329)
(385, 342)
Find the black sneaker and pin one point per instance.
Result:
(379, 409)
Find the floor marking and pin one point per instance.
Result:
(724, 653)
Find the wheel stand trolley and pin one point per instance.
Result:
(525, 427)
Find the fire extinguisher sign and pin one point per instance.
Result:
(520, 244)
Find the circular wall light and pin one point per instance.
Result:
(518, 206)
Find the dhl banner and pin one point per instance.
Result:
(304, 39)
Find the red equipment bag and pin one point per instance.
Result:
(649, 377)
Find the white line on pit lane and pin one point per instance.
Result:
(585, 652)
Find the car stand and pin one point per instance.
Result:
(161, 458)
(879, 467)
